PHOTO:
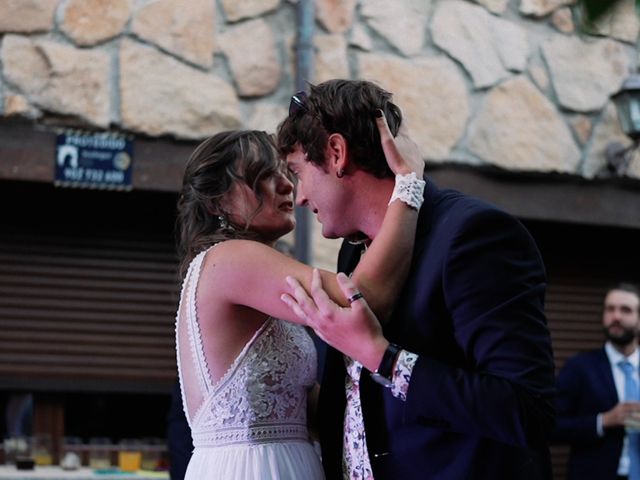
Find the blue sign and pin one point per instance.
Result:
(93, 160)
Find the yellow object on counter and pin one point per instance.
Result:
(129, 461)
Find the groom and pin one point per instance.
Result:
(463, 367)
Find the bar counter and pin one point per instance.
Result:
(9, 472)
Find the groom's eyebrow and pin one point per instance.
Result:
(292, 165)
(292, 175)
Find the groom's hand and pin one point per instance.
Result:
(355, 331)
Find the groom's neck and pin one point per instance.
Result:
(371, 204)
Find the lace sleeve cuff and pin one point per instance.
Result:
(402, 374)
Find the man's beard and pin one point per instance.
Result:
(622, 339)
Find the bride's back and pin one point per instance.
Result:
(234, 361)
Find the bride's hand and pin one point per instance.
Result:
(402, 153)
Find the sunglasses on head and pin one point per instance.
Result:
(298, 102)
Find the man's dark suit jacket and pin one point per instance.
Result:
(479, 405)
(179, 443)
(586, 388)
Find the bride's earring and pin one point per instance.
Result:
(224, 223)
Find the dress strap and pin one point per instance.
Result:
(195, 336)
(179, 321)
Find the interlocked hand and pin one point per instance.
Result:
(353, 330)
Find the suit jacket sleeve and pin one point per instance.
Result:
(493, 284)
(575, 423)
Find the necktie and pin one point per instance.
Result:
(631, 393)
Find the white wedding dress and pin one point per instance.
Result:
(252, 423)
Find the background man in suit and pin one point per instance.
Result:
(464, 376)
(179, 443)
(593, 404)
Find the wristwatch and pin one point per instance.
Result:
(384, 372)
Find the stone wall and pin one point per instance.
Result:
(514, 84)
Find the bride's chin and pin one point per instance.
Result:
(287, 230)
(276, 234)
(292, 225)
(288, 225)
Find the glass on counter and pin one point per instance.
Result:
(16, 447)
(42, 449)
(152, 450)
(100, 453)
(130, 455)
(632, 423)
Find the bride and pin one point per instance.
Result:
(245, 362)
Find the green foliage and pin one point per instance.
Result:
(589, 12)
(595, 9)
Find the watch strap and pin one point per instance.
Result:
(385, 369)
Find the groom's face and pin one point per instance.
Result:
(323, 192)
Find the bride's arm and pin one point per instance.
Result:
(252, 274)
(381, 273)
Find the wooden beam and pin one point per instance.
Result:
(559, 198)
(27, 152)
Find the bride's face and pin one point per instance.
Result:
(275, 217)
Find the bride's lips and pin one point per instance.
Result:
(286, 206)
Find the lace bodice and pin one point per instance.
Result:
(262, 396)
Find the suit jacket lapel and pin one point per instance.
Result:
(603, 369)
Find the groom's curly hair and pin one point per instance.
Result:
(346, 107)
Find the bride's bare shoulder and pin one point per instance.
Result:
(234, 250)
(240, 256)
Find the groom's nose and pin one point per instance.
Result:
(301, 199)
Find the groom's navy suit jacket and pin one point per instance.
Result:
(479, 405)
(586, 388)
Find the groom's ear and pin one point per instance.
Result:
(337, 153)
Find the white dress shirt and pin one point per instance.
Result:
(615, 357)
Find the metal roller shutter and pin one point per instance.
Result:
(87, 306)
(88, 313)
(573, 307)
(582, 262)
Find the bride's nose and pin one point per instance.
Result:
(285, 186)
